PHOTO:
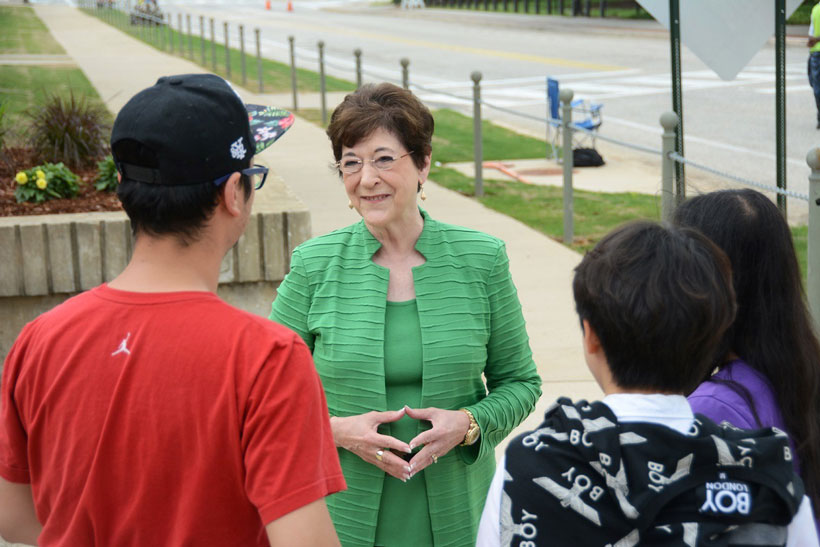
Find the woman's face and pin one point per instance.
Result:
(383, 197)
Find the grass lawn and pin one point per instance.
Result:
(24, 87)
(23, 32)
(276, 76)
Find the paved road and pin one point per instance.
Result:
(623, 64)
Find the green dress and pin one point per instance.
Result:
(474, 346)
(404, 514)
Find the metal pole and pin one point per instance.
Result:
(780, 99)
(358, 54)
(322, 94)
(669, 120)
(677, 95)
(478, 154)
(566, 151)
(242, 54)
(161, 32)
(405, 73)
(293, 72)
(170, 33)
(227, 51)
(202, 38)
(190, 36)
(259, 61)
(181, 35)
(213, 46)
(813, 273)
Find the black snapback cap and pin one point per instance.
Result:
(191, 129)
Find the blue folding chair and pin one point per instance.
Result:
(588, 116)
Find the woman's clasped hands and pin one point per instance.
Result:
(359, 434)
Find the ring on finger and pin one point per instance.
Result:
(435, 458)
(380, 454)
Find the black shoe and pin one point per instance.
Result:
(818, 124)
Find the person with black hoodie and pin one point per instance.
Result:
(638, 467)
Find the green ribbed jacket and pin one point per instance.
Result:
(471, 323)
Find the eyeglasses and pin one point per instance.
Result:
(349, 166)
(257, 174)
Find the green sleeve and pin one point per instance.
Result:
(293, 299)
(512, 378)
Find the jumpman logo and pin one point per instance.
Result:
(123, 346)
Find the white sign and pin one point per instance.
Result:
(724, 34)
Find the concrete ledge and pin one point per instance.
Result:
(47, 258)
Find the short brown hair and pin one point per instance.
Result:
(382, 106)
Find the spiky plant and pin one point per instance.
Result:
(69, 130)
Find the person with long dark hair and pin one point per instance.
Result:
(768, 370)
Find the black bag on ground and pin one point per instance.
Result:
(586, 157)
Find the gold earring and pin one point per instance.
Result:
(423, 197)
(349, 204)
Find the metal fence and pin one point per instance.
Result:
(159, 32)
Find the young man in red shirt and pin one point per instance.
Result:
(147, 411)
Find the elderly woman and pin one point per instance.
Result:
(404, 314)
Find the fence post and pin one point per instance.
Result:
(358, 54)
(202, 38)
(227, 51)
(813, 273)
(190, 36)
(322, 94)
(242, 54)
(405, 74)
(213, 45)
(293, 72)
(170, 33)
(566, 152)
(669, 121)
(478, 153)
(259, 61)
(181, 35)
(161, 31)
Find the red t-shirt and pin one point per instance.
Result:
(163, 419)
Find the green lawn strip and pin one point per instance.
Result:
(25, 87)
(541, 207)
(453, 140)
(24, 33)
(276, 76)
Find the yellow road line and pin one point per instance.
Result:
(483, 52)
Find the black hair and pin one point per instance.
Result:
(659, 299)
(159, 210)
(773, 330)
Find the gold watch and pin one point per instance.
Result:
(473, 431)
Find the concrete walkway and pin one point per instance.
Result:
(119, 66)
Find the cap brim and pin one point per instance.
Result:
(267, 124)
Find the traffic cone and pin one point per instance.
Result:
(290, 5)
(267, 5)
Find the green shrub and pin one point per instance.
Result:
(106, 175)
(44, 182)
(69, 130)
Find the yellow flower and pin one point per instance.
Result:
(21, 178)
(40, 174)
(42, 183)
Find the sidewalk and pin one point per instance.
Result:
(119, 66)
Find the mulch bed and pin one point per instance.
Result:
(89, 199)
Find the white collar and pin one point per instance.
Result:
(670, 410)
